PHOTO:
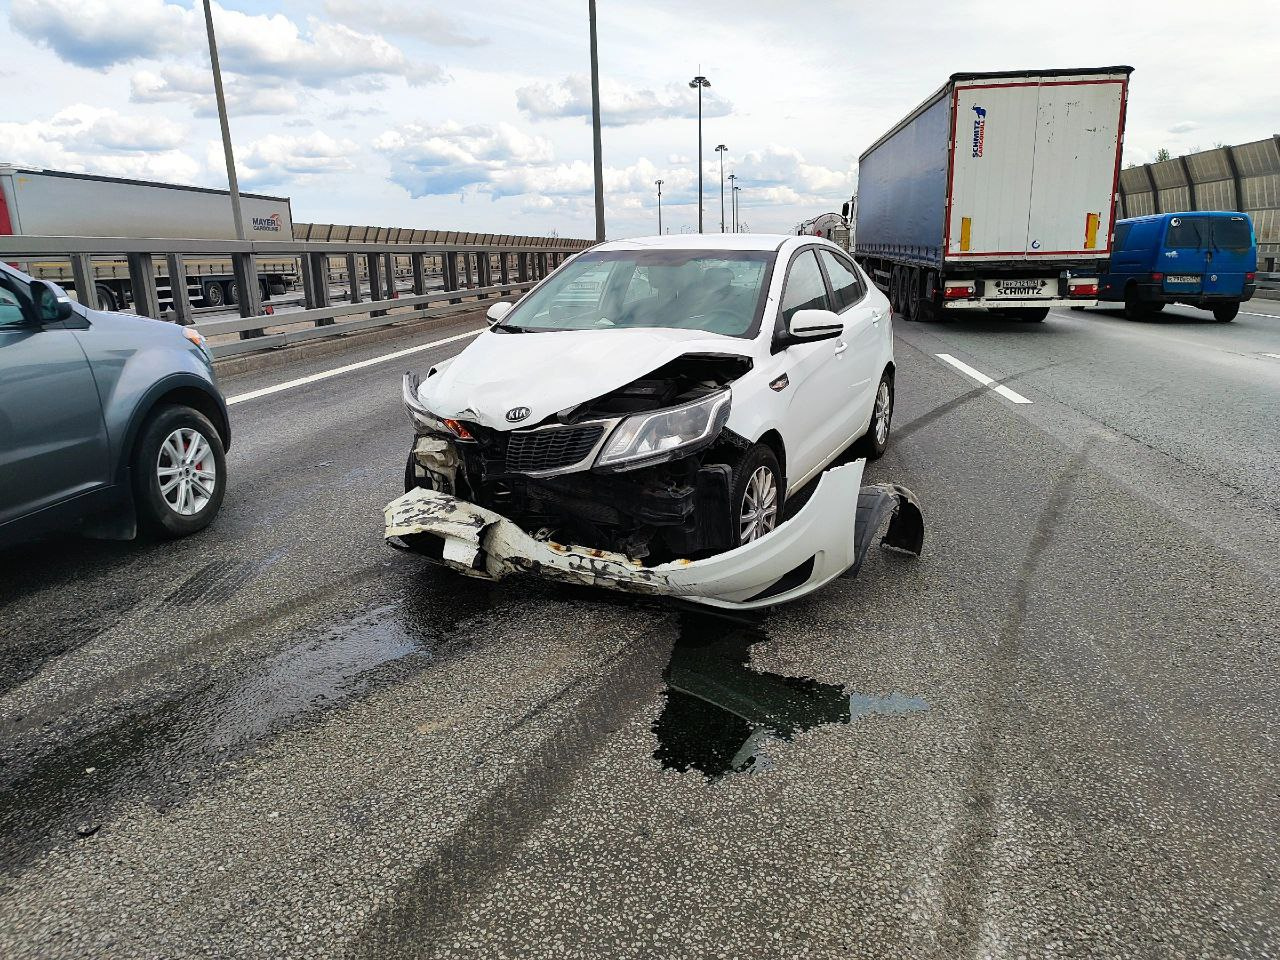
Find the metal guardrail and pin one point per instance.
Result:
(464, 271)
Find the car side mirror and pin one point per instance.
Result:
(814, 325)
(497, 311)
(52, 306)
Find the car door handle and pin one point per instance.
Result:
(841, 347)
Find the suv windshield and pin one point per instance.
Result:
(719, 291)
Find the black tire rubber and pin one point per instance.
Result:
(231, 293)
(154, 514)
(424, 544)
(1033, 314)
(106, 297)
(1226, 312)
(1135, 308)
(1156, 307)
(214, 296)
(1078, 309)
(912, 297)
(895, 283)
(758, 455)
(865, 445)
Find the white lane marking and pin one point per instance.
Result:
(325, 375)
(982, 378)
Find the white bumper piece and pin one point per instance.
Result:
(826, 539)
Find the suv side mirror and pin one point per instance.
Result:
(814, 325)
(51, 305)
(497, 311)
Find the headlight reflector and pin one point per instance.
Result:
(424, 421)
(649, 438)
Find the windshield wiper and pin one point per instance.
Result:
(508, 328)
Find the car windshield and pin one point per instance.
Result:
(717, 291)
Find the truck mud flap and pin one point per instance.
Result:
(829, 536)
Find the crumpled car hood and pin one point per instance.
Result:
(550, 372)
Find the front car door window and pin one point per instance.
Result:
(846, 285)
(806, 289)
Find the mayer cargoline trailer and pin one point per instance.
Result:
(997, 192)
(53, 203)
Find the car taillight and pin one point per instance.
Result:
(957, 293)
(1157, 277)
(1089, 289)
(1250, 277)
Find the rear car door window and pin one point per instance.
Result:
(1232, 233)
(806, 289)
(846, 285)
(1187, 233)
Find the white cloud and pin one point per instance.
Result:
(88, 139)
(451, 157)
(100, 33)
(1184, 126)
(619, 105)
(415, 19)
(287, 159)
(194, 86)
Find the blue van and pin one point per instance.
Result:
(1203, 258)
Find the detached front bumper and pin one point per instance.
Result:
(826, 539)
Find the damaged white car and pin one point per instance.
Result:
(639, 420)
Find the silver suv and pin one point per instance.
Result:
(108, 422)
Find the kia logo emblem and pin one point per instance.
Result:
(516, 414)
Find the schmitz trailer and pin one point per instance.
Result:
(998, 192)
(52, 203)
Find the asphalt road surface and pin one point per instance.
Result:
(1053, 735)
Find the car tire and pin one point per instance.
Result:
(175, 492)
(425, 544)
(875, 441)
(755, 475)
(1226, 312)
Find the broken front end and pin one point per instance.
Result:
(642, 471)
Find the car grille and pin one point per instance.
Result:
(550, 449)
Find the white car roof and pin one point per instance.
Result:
(702, 241)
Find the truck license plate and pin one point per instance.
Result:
(1181, 278)
(1020, 288)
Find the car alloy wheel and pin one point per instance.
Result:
(187, 471)
(759, 513)
(883, 411)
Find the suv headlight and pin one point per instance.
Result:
(649, 438)
(424, 421)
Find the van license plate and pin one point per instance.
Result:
(1183, 279)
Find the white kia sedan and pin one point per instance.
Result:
(656, 400)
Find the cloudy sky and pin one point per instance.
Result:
(433, 113)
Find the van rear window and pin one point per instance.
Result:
(1232, 233)
(1187, 232)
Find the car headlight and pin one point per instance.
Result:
(649, 438)
(424, 421)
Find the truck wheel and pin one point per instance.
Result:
(913, 294)
(179, 472)
(1134, 307)
(213, 295)
(106, 297)
(894, 301)
(232, 292)
(1226, 312)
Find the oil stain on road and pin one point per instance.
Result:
(721, 714)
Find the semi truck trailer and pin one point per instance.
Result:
(998, 192)
(58, 204)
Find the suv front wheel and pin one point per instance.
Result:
(179, 472)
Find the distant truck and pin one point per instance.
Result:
(1206, 259)
(833, 226)
(58, 204)
(998, 192)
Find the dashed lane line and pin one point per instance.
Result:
(982, 378)
(326, 374)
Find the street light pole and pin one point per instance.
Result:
(733, 200)
(721, 150)
(737, 206)
(659, 183)
(699, 82)
(595, 123)
(232, 184)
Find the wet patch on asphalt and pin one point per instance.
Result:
(179, 743)
(721, 715)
